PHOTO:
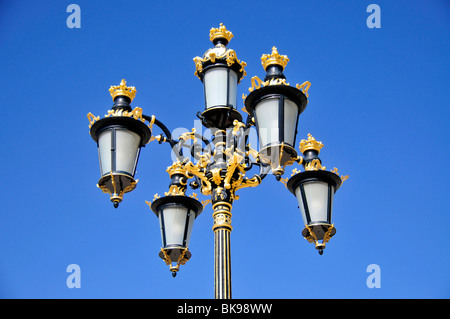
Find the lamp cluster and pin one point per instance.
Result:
(218, 168)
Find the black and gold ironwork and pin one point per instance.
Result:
(219, 167)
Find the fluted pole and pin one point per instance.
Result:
(222, 257)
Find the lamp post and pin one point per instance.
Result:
(220, 167)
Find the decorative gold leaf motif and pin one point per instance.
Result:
(314, 165)
(229, 56)
(92, 119)
(312, 238)
(335, 171)
(216, 178)
(304, 87)
(295, 171)
(257, 83)
(174, 190)
(284, 181)
(205, 202)
(326, 236)
(194, 196)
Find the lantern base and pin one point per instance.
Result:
(175, 255)
(220, 117)
(278, 156)
(321, 231)
(117, 184)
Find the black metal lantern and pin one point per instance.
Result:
(220, 71)
(176, 217)
(119, 137)
(276, 107)
(314, 189)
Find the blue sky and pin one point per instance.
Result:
(378, 101)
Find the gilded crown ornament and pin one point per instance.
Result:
(221, 32)
(310, 144)
(123, 90)
(274, 58)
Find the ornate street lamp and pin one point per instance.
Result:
(275, 107)
(220, 71)
(219, 168)
(119, 136)
(176, 213)
(176, 217)
(314, 189)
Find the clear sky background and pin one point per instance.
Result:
(378, 101)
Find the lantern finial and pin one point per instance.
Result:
(221, 32)
(123, 90)
(274, 58)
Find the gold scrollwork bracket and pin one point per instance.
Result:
(197, 170)
(254, 153)
(247, 182)
(237, 126)
(188, 136)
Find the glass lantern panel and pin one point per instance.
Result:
(290, 121)
(316, 194)
(220, 87)
(173, 224)
(266, 115)
(104, 152)
(232, 91)
(298, 194)
(191, 225)
(331, 203)
(127, 148)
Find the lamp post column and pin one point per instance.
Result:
(222, 257)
